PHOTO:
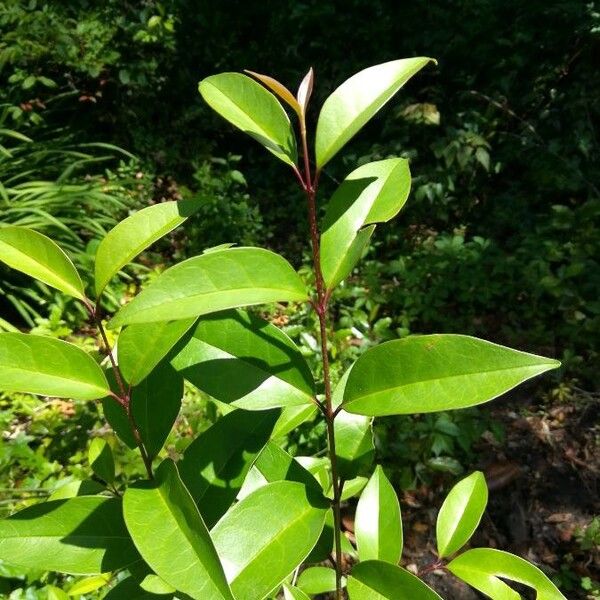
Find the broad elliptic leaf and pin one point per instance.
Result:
(354, 445)
(317, 580)
(293, 593)
(48, 367)
(212, 282)
(373, 193)
(137, 232)
(250, 107)
(141, 347)
(428, 373)
(460, 513)
(171, 536)
(292, 417)
(482, 568)
(216, 463)
(357, 100)
(36, 255)
(81, 536)
(241, 359)
(377, 580)
(265, 536)
(155, 404)
(101, 460)
(378, 523)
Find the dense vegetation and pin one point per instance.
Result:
(100, 115)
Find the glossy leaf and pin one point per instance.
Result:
(354, 445)
(264, 537)
(352, 487)
(171, 536)
(89, 584)
(279, 89)
(378, 523)
(250, 107)
(133, 235)
(155, 404)
(377, 580)
(317, 580)
(241, 359)
(81, 536)
(373, 193)
(49, 367)
(76, 487)
(38, 256)
(482, 568)
(292, 417)
(460, 513)
(293, 593)
(142, 347)
(212, 282)
(129, 589)
(156, 585)
(305, 90)
(429, 373)
(357, 100)
(216, 463)
(101, 460)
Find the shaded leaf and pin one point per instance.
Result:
(241, 359)
(81, 536)
(135, 234)
(293, 593)
(216, 463)
(48, 367)
(101, 460)
(251, 108)
(38, 256)
(277, 525)
(460, 513)
(378, 522)
(482, 568)
(429, 373)
(212, 282)
(185, 557)
(354, 445)
(357, 100)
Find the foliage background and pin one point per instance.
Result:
(99, 115)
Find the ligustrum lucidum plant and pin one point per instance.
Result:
(237, 517)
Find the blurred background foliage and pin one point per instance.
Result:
(100, 115)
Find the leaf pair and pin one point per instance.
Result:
(251, 108)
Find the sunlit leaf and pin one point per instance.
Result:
(49, 367)
(429, 373)
(212, 282)
(460, 513)
(101, 460)
(357, 100)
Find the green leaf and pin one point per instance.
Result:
(482, 568)
(156, 585)
(293, 593)
(216, 463)
(155, 404)
(376, 580)
(129, 589)
(373, 193)
(352, 487)
(354, 445)
(55, 593)
(241, 359)
(430, 373)
(378, 523)
(137, 232)
(460, 513)
(81, 536)
(73, 488)
(38, 256)
(89, 584)
(142, 347)
(278, 89)
(292, 417)
(212, 282)
(48, 367)
(250, 107)
(357, 100)
(171, 536)
(317, 580)
(264, 537)
(101, 460)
